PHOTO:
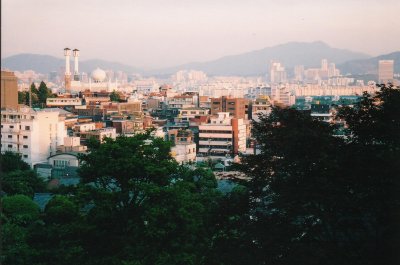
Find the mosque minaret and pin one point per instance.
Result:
(97, 82)
(67, 76)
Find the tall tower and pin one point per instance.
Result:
(67, 54)
(76, 69)
(385, 71)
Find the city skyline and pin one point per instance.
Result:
(166, 33)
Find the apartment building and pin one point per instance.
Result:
(237, 107)
(35, 134)
(223, 136)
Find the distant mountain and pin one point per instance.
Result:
(253, 63)
(45, 64)
(257, 62)
(370, 65)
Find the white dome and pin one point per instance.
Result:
(98, 75)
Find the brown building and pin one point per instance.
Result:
(237, 107)
(9, 90)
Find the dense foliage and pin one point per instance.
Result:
(311, 197)
(39, 95)
(17, 177)
(114, 96)
(322, 199)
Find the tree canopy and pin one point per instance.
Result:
(114, 96)
(39, 95)
(309, 197)
(17, 177)
(319, 198)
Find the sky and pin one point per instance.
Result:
(159, 33)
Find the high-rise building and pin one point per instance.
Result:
(277, 72)
(385, 71)
(324, 65)
(9, 90)
(299, 72)
(332, 71)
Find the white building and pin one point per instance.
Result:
(261, 106)
(35, 134)
(183, 149)
(184, 152)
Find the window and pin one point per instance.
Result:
(25, 137)
(25, 156)
(25, 146)
(27, 128)
(11, 126)
(10, 146)
(61, 163)
(10, 136)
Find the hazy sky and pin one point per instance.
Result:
(158, 33)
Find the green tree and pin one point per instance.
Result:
(123, 165)
(24, 182)
(23, 97)
(153, 210)
(19, 213)
(60, 210)
(114, 96)
(20, 209)
(15, 248)
(43, 93)
(232, 241)
(316, 198)
(374, 124)
(11, 161)
(18, 177)
(294, 183)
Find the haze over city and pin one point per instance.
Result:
(154, 34)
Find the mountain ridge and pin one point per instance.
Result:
(370, 65)
(249, 63)
(256, 62)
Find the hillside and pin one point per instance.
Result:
(256, 62)
(46, 64)
(246, 64)
(370, 65)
